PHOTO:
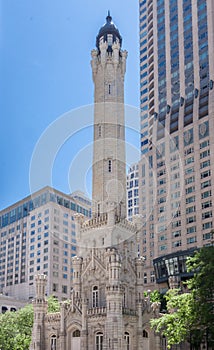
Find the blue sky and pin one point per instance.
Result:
(45, 71)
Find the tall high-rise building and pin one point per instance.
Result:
(132, 183)
(38, 235)
(176, 172)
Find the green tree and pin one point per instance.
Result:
(202, 289)
(16, 327)
(155, 295)
(190, 316)
(176, 324)
(53, 304)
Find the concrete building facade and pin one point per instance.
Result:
(38, 235)
(10, 304)
(107, 309)
(132, 191)
(177, 129)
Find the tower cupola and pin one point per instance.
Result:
(108, 33)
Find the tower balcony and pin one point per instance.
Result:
(129, 312)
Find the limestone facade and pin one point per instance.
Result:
(107, 309)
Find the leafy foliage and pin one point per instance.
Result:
(16, 327)
(176, 324)
(53, 304)
(155, 295)
(190, 316)
(202, 288)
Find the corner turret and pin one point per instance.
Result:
(40, 310)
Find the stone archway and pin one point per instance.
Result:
(145, 340)
(75, 340)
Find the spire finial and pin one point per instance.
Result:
(108, 18)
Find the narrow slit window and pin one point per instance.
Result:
(95, 296)
(99, 131)
(109, 165)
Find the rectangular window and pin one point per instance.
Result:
(191, 240)
(176, 234)
(191, 229)
(207, 225)
(189, 171)
(176, 224)
(190, 189)
(204, 144)
(189, 160)
(206, 204)
(205, 174)
(190, 199)
(206, 194)
(204, 154)
(190, 209)
(190, 219)
(207, 215)
(205, 164)
(64, 289)
(129, 194)
(190, 180)
(205, 184)
(176, 244)
(207, 235)
(162, 247)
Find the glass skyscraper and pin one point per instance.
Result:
(176, 184)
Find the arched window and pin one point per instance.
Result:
(145, 334)
(163, 342)
(53, 342)
(95, 296)
(145, 278)
(127, 341)
(76, 334)
(99, 341)
(4, 309)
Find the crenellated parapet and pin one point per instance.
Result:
(53, 317)
(95, 222)
(126, 225)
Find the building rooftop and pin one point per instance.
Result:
(108, 28)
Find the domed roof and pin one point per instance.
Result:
(108, 28)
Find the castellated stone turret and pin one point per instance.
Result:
(109, 170)
(107, 309)
(40, 310)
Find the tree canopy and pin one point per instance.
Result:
(190, 316)
(16, 327)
